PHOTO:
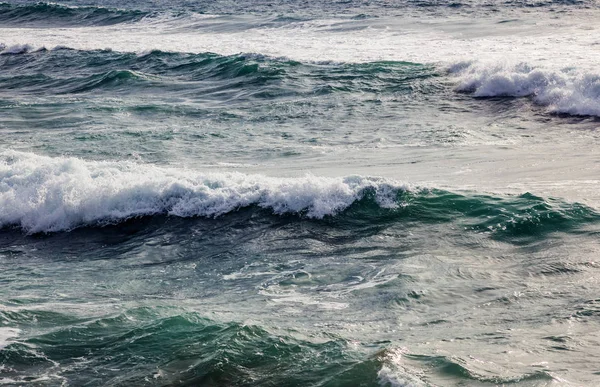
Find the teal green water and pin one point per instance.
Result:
(249, 193)
(251, 298)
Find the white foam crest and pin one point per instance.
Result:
(540, 39)
(15, 49)
(567, 91)
(394, 374)
(45, 194)
(7, 334)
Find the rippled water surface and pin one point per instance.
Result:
(253, 193)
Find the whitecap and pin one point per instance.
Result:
(46, 194)
(566, 91)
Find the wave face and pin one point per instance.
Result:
(569, 91)
(41, 194)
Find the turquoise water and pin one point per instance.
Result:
(299, 194)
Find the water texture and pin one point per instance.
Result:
(286, 193)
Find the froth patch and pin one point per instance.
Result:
(15, 49)
(44, 194)
(566, 91)
(393, 373)
(7, 334)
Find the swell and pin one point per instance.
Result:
(29, 70)
(177, 348)
(49, 14)
(112, 80)
(185, 348)
(222, 79)
(43, 194)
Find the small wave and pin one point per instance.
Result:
(6, 335)
(49, 14)
(99, 69)
(109, 79)
(39, 82)
(547, 3)
(569, 91)
(398, 368)
(15, 49)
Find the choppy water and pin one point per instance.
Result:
(253, 193)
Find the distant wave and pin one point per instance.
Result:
(62, 70)
(44, 194)
(568, 91)
(49, 14)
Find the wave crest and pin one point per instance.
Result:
(43, 194)
(46, 194)
(567, 91)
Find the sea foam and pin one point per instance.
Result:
(6, 336)
(15, 49)
(566, 91)
(46, 194)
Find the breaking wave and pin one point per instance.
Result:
(567, 91)
(42, 194)
(45, 194)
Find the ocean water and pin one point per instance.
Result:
(300, 193)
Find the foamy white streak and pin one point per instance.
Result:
(44, 194)
(543, 38)
(561, 91)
